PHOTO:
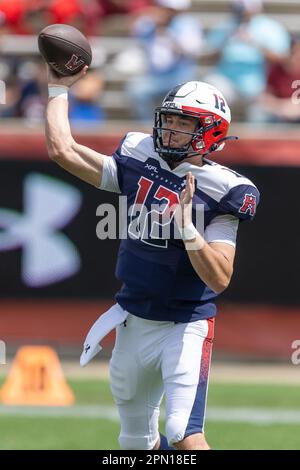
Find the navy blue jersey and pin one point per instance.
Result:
(159, 281)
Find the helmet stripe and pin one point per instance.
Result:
(172, 93)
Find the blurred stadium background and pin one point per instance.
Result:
(56, 277)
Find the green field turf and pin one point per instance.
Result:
(61, 432)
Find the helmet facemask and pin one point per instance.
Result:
(204, 122)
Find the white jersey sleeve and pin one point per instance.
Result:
(109, 180)
(222, 229)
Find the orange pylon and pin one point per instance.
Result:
(36, 378)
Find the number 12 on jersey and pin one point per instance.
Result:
(150, 216)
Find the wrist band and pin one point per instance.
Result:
(188, 233)
(193, 239)
(58, 90)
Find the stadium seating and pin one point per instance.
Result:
(116, 39)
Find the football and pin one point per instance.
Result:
(65, 49)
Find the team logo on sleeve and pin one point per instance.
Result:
(249, 204)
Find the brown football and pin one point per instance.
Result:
(64, 48)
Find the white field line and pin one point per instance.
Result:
(76, 411)
(232, 415)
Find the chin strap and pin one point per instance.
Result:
(216, 144)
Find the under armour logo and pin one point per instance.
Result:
(48, 255)
(87, 348)
(74, 63)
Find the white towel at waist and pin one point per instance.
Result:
(105, 323)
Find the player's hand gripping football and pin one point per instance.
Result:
(184, 213)
(60, 80)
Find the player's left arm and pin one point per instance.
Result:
(213, 262)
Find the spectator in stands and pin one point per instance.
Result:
(13, 11)
(12, 96)
(17, 13)
(101, 14)
(34, 19)
(243, 47)
(171, 41)
(30, 16)
(281, 100)
(85, 100)
(4, 27)
(69, 12)
(31, 104)
(9, 96)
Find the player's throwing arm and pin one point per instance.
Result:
(69, 66)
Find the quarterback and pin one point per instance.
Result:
(166, 305)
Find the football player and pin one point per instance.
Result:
(170, 284)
